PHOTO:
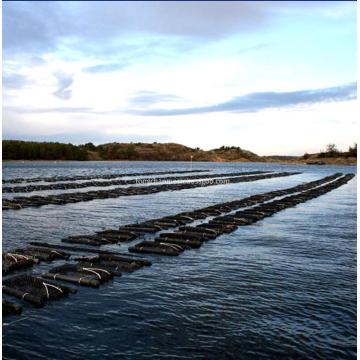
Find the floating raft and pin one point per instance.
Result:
(192, 237)
(124, 256)
(81, 275)
(113, 263)
(187, 235)
(117, 235)
(219, 227)
(65, 198)
(221, 223)
(10, 308)
(92, 240)
(170, 221)
(207, 234)
(12, 261)
(34, 290)
(20, 259)
(101, 176)
(152, 180)
(43, 254)
(184, 218)
(95, 270)
(141, 228)
(194, 244)
(161, 248)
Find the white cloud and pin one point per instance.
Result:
(198, 53)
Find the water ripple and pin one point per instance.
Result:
(284, 288)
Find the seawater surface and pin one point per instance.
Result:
(284, 288)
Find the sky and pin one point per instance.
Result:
(270, 77)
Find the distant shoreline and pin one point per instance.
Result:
(21, 151)
(326, 162)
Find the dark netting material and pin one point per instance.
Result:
(34, 290)
(113, 263)
(133, 231)
(10, 308)
(20, 202)
(43, 254)
(12, 261)
(161, 248)
(101, 176)
(172, 244)
(224, 218)
(81, 275)
(81, 185)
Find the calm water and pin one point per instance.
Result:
(283, 288)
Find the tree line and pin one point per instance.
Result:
(29, 150)
(332, 151)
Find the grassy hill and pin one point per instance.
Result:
(27, 150)
(171, 152)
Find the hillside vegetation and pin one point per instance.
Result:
(28, 150)
(331, 155)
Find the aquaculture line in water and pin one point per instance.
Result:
(100, 176)
(60, 199)
(81, 185)
(92, 271)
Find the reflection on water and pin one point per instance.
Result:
(283, 288)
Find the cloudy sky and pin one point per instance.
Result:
(270, 77)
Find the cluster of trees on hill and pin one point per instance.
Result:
(332, 151)
(29, 150)
(353, 150)
(228, 148)
(114, 152)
